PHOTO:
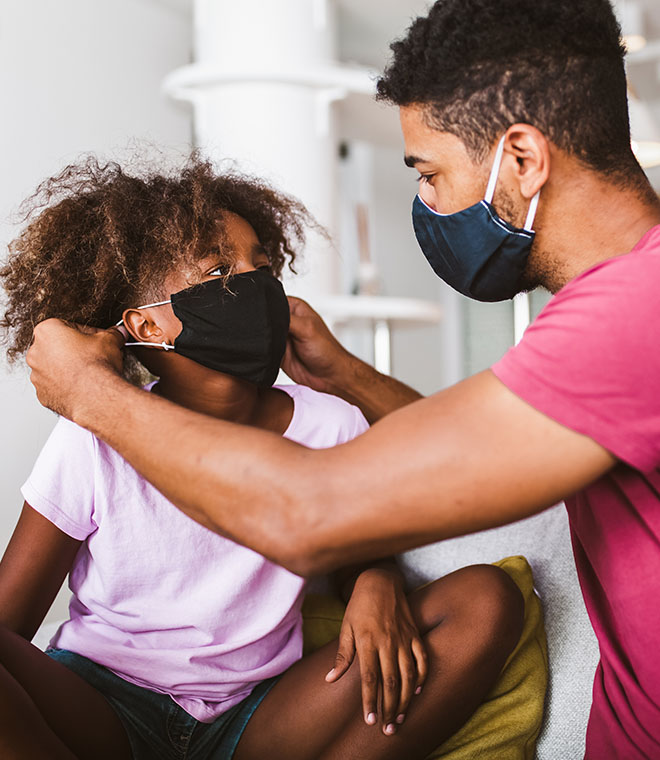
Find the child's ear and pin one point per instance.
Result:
(141, 327)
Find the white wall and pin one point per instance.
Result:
(75, 76)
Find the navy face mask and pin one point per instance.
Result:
(475, 251)
(239, 328)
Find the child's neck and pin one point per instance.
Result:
(223, 396)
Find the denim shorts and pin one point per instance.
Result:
(157, 728)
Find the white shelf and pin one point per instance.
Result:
(180, 84)
(399, 312)
(381, 314)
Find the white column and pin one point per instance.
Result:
(255, 108)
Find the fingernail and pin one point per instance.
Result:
(390, 728)
(400, 718)
(371, 718)
(330, 674)
(418, 690)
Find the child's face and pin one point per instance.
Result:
(159, 323)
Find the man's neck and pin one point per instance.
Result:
(592, 220)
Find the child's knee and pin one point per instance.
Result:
(495, 602)
(484, 603)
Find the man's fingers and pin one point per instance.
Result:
(54, 326)
(297, 304)
(389, 667)
(85, 329)
(422, 662)
(119, 333)
(344, 657)
(299, 309)
(369, 680)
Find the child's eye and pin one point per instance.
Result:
(220, 271)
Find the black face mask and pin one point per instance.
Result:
(238, 327)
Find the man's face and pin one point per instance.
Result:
(449, 179)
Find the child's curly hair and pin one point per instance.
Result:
(100, 240)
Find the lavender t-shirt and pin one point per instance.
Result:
(591, 361)
(157, 598)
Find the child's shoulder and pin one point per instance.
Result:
(69, 441)
(321, 420)
(66, 435)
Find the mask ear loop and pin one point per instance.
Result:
(494, 172)
(533, 204)
(165, 346)
(492, 182)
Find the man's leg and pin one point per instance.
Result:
(471, 621)
(48, 712)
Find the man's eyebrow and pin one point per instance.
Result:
(412, 161)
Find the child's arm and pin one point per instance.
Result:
(33, 568)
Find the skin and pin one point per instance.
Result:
(470, 457)
(449, 639)
(468, 623)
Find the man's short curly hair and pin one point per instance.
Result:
(479, 66)
(100, 239)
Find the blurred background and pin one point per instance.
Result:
(282, 88)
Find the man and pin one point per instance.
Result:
(526, 99)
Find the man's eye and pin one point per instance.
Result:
(424, 178)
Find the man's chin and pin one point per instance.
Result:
(542, 270)
(528, 283)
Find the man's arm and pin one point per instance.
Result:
(314, 357)
(468, 458)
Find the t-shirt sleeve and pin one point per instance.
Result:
(321, 420)
(61, 484)
(357, 424)
(591, 359)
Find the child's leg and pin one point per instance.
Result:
(49, 713)
(471, 621)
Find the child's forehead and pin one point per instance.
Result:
(191, 270)
(233, 235)
(235, 240)
(236, 230)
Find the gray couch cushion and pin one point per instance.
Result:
(572, 649)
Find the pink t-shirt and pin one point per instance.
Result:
(157, 598)
(591, 361)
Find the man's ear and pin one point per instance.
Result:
(141, 327)
(531, 149)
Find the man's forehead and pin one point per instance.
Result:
(423, 143)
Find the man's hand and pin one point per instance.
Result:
(66, 359)
(314, 357)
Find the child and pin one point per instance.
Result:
(181, 643)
